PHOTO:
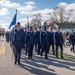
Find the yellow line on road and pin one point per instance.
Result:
(2, 49)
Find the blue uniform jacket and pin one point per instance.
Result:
(72, 38)
(59, 38)
(18, 37)
(51, 37)
(44, 37)
(25, 37)
(30, 38)
(11, 36)
(37, 34)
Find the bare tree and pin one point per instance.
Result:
(64, 15)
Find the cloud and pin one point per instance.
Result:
(62, 4)
(25, 13)
(23, 9)
(26, 8)
(70, 6)
(1, 21)
(30, 3)
(67, 6)
(4, 25)
(24, 20)
(43, 12)
(45, 15)
(4, 12)
(8, 4)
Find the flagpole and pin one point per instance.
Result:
(27, 20)
(16, 14)
(16, 10)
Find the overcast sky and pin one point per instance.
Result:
(29, 8)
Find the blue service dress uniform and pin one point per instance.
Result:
(18, 42)
(38, 41)
(25, 35)
(7, 36)
(72, 40)
(11, 37)
(59, 43)
(51, 41)
(30, 43)
(23, 46)
(44, 42)
(35, 41)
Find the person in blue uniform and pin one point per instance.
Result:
(72, 40)
(7, 36)
(18, 42)
(35, 40)
(59, 42)
(30, 42)
(44, 42)
(25, 33)
(11, 37)
(25, 30)
(23, 46)
(38, 40)
(51, 40)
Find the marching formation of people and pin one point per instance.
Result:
(41, 40)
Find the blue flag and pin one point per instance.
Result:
(13, 22)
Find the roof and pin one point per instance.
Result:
(66, 25)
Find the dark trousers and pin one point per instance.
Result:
(30, 50)
(26, 49)
(35, 45)
(39, 48)
(61, 50)
(51, 44)
(44, 49)
(72, 49)
(17, 53)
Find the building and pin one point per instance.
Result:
(2, 31)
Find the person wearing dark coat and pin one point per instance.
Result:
(44, 42)
(37, 34)
(59, 42)
(30, 42)
(51, 40)
(72, 40)
(18, 42)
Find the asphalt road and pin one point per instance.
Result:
(36, 66)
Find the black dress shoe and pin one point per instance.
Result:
(62, 57)
(28, 57)
(46, 57)
(31, 57)
(41, 54)
(15, 62)
(19, 63)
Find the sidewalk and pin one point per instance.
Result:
(36, 66)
